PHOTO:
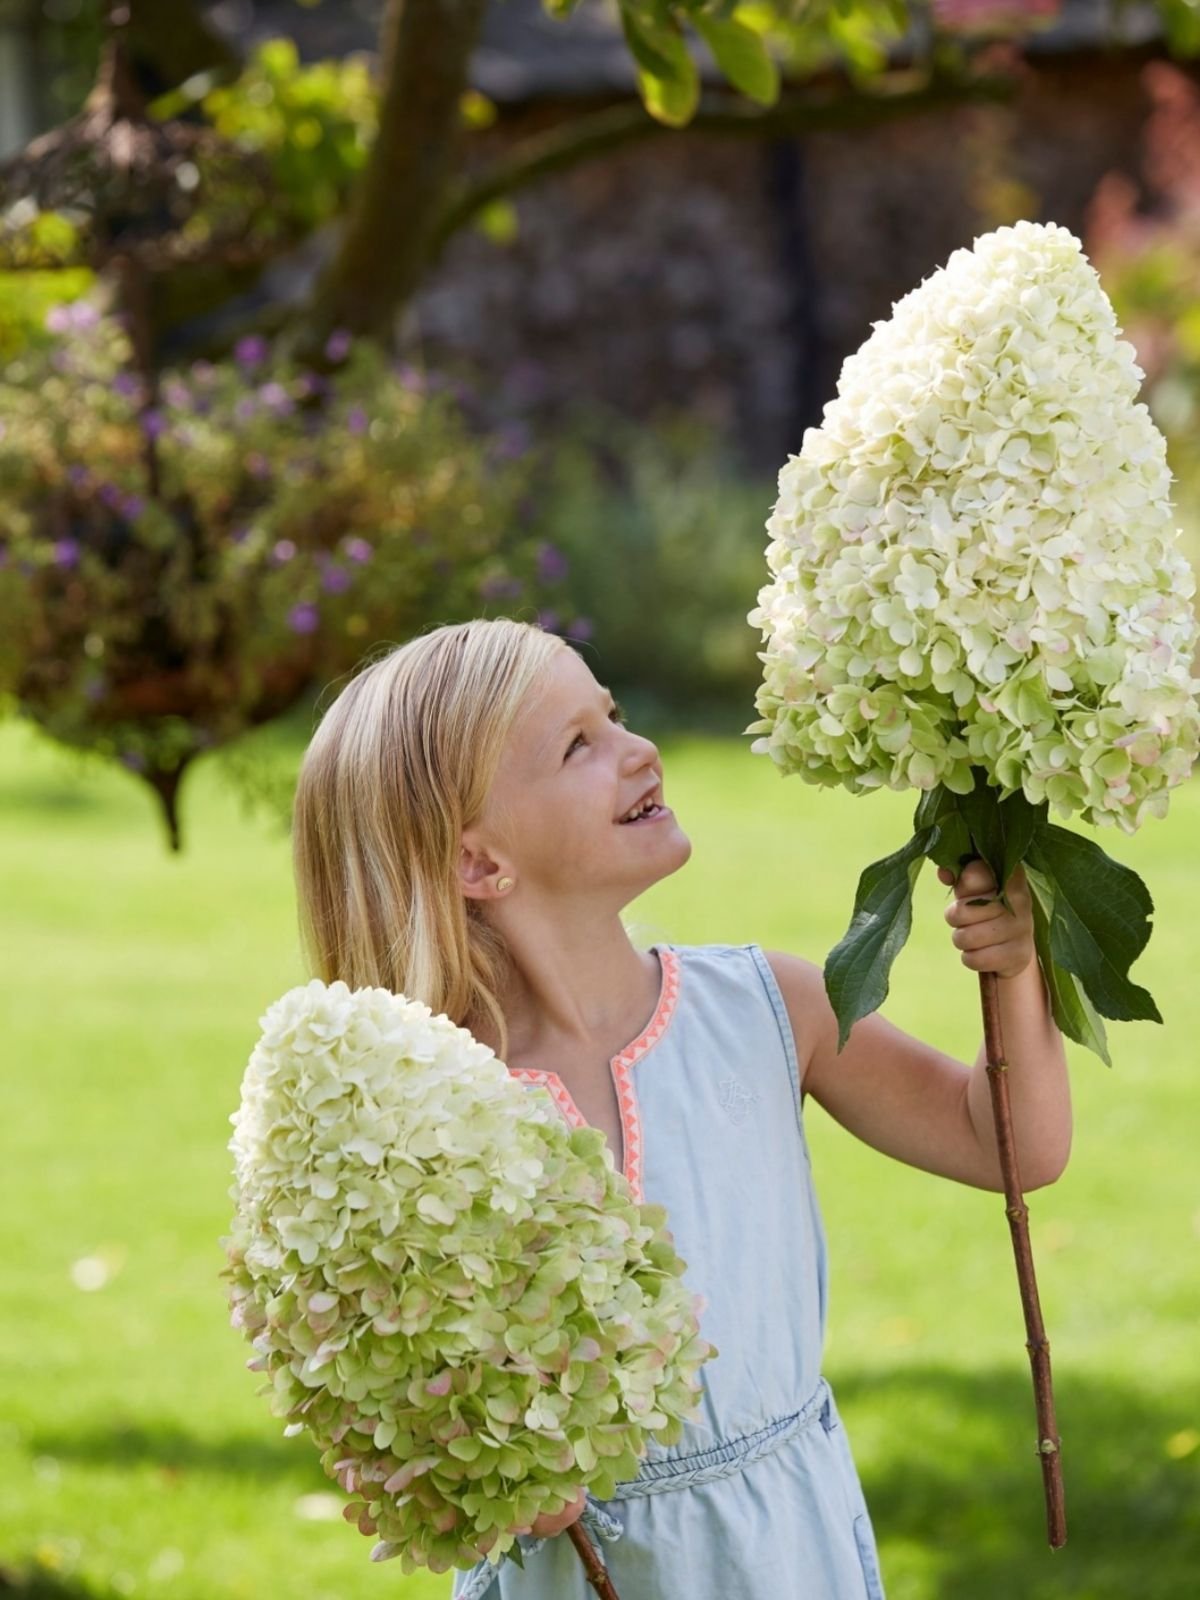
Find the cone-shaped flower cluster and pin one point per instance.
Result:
(973, 558)
(453, 1292)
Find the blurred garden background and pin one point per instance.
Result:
(325, 322)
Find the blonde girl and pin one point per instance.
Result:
(472, 817)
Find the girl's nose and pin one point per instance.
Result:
(642, 750)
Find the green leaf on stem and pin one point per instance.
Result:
(856, 969)
(1001, 829)
(940, 807)
(742, 56)
(1099, 922)
(667, 78)
(1073, 1013)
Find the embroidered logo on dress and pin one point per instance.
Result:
(736, 1099)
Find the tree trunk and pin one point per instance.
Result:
(426, 50)
(169, 41)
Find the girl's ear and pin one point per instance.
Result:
(475, 868)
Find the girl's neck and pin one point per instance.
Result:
(576, 999)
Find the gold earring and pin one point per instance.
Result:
(505, 883)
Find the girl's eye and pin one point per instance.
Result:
(616, 714)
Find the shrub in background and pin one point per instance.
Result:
(660, 542)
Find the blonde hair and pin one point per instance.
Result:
(400, 763)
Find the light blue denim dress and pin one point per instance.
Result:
(760, 1498)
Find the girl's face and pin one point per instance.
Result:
(569, 771)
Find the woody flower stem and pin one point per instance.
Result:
(596, 1575)
(1036, 1342)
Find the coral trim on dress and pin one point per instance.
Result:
(621, 1067)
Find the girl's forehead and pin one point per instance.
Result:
(564, 690)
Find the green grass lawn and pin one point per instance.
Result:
(135, 1455)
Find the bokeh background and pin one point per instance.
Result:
(296, 361)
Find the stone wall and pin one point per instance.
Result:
(735, 276)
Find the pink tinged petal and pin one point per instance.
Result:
(440, 1384)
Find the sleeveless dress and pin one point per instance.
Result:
(759, 1499)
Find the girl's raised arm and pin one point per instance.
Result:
(915, 1102)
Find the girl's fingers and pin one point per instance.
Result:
(961, 914)
(1006, 959)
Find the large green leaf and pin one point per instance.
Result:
(856, 969)
(1100, 920)
(1001, 829)
(1073, 1013)
(742, 56)
(940, 807)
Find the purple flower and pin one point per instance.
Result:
(500, 587)
(580, 629)
(356, 420)
(77, 476)
(511, 441)
(177, 394)
(83, 314)
(276, 398)
(548, 621)
(66, 552)
(239, 535)
(335, 579)
(337, 346)
(552, 564)
(203, 371)
(251, 351)
(58, 319)
(110, 496)
(284, 551)
(133, 505)
(133, 759)
(154, 423)
(246, 409)
(408, 376)
(304, 618)
(357, 549)
(127, 384)
(526, 382)
(257, 465)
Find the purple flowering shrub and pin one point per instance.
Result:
(299, 517)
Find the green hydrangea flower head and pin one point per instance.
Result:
(456, 1295)
(973, 559)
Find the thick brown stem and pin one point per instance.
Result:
(1036, 1342)
(596, 1575)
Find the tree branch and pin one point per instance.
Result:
(584, 138)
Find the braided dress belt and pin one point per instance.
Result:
(676, 1472)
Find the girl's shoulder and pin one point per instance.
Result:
(744, 963)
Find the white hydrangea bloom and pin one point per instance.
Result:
(456, 1294)
(973, 558)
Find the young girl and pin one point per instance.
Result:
(472, 816)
